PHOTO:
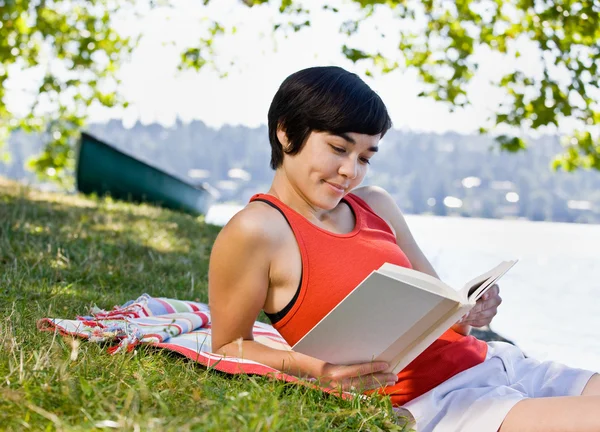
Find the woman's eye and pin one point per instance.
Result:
(365, 160)
(338, 149)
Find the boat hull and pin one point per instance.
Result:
(104, 170)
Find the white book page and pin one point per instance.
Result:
(420, 279)
(475, 288)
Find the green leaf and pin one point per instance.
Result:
(353, 54)
(511, 144)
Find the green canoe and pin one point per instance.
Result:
(102, 169)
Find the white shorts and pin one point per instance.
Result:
(478, 399)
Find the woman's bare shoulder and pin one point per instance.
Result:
(257, 223)
(243, 251)
(377, 197)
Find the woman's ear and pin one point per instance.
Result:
(283, 140)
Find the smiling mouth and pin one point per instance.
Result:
(336, 186)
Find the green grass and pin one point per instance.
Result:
(61, 254)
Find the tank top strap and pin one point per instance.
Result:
(293, 217)
(370, 219)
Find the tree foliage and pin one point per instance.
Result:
(72, 46)
(439, 39)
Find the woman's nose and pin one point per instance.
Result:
(349, 168)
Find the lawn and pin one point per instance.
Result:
(60, 255)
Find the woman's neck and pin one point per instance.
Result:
(285, 191)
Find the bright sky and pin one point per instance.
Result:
(158, 93)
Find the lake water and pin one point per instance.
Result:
(551, 298)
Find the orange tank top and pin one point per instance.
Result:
(333, 264)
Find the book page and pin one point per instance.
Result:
(476, 287)
(420, 279)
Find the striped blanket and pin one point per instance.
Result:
(177, 325)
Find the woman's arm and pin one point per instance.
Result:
(238, 281)
(384, 205)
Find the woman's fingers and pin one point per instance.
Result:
(340, 372)
(480, 319)
(492, 291)
(368, 382)
(491, 303)
(485, 309)
(360, 377)
(367, 368)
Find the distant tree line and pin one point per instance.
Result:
(448, 174)
(437, 40)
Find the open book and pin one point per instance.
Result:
(393, 316)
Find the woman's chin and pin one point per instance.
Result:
(328, 202)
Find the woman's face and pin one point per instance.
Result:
(329, 166)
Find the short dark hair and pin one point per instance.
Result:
(323, 99)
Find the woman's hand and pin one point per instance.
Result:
(485, 309)
(358, 377)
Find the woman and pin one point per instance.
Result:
(297, 250)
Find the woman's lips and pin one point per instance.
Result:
(336, 187)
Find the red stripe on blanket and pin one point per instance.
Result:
(170, 309)
(46, 324)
